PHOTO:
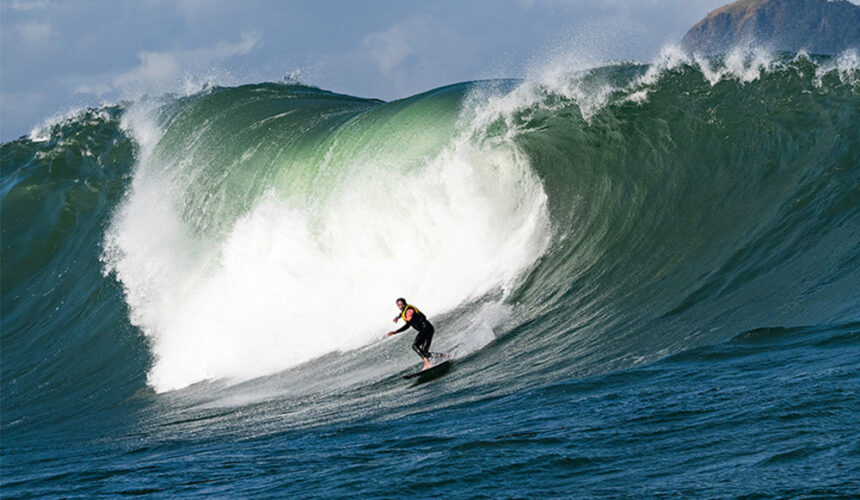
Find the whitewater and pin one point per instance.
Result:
(648, 276)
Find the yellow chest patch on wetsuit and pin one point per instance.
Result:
(408, 307)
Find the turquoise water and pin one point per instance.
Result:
(648, 275)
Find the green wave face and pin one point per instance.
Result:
(64, 326)
(584, 220)
(263, 213)
(706, 201)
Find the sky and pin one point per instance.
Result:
(57, 56)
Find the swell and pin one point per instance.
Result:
(68, 347)
(698, 212)
(585, 226)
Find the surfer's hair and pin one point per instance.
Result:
(401, 299)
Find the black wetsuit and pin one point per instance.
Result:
(425, 331)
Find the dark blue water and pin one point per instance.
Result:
(649, 278)
(771, 413)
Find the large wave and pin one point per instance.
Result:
(587, 218)
(270, 225)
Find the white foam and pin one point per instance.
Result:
(670, 58)
(846, 65)
(742, 63)
(42, 131)
(289, 283)
(476, 330)
(573, 79)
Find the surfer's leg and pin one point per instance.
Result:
(428, 337)
(418, 346)
(422, 342)
(417, 349)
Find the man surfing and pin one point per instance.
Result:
(416, 319)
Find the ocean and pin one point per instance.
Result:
(648, 276)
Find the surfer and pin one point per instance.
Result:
(416, 319)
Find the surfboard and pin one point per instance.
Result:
(432, 372)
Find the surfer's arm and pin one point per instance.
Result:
(401, 329)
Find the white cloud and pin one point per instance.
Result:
(191, 8)
(224, 50)
(160, 70)
(418, 53)
(35, 32)
(391, 47)
(155, 69)
(95, 89)
(194, 11)
(28, 5)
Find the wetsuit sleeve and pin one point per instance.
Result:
(402, 329)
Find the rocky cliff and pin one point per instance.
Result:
(817, 26)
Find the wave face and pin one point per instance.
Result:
(270, 225)
(245, 245)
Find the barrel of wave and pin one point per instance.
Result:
(293, 279)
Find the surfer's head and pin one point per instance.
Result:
(401, 303)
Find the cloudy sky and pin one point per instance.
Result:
(60, 55)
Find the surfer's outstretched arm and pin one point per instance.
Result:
(402, 329)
